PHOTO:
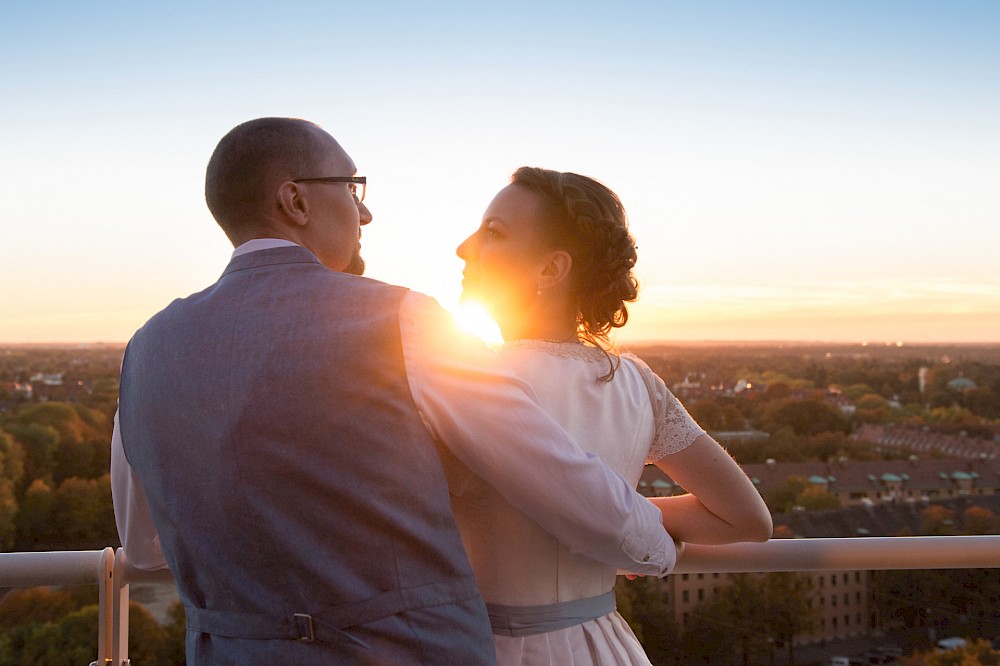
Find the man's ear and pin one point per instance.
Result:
(292, 205)
(556, 270)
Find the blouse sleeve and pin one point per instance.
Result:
(675, 429)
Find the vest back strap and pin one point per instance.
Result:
(298, 626)
(328, 625)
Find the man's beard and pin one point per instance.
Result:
(356, 266)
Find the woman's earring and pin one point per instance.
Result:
(539, 290)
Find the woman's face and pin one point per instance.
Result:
(504, 258)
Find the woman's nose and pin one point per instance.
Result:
(464, 249)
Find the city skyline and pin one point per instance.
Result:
(791, 172)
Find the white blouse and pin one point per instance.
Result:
(628, 421)
(516, 562)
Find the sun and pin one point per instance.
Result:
(473, 318)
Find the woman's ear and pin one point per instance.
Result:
(292, 205)
(556, 270)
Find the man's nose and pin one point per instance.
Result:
(366, 215)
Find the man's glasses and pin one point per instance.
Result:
(358, 184)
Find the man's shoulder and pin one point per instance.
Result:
(313, 283)
(356, 288)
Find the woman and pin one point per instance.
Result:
(553, 260)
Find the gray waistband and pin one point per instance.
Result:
(528, 620)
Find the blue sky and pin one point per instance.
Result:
(825, 171)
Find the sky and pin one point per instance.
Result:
(824, 171)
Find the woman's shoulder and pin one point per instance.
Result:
(675, 429)
(653, 382)
(564, 350)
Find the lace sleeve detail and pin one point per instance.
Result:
(675, 429)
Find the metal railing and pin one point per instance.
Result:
(111, 572)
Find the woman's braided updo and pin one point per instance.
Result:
(587, 220)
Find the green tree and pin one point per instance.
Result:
(789, 613)
(777, 391)
(951, 415)
(784, 497)
(741, 602)
(81, 449)
(804, 417)
(70, 641)
(978, 520)
(57, 627)
(937, 521)
(147, 639)
(34, 517)
(66, 420)
(175, 635)
(40, 444)
(103, 396)
(641, 602)
(984, 402)
(714, 416)
(11, 471)
(815, 498)
(955, 601)
(79, 459)
(8, 511)
(974, 653)
(34, 605)
(11, 458)
(82, 512)
(708, 637)
(783, 445)
(826, 446)
(873, 408)
(856, 391)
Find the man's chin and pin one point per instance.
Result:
(356, 266)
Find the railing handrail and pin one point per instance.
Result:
(841, 554)
(112, 573)
(88, 567)
(58, 567)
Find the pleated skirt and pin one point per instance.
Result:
(604, 641)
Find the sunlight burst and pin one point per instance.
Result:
(473, 318)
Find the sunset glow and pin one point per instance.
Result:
(473, 318)
(791, 171)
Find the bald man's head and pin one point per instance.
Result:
(251, 161)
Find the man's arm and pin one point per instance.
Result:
(135, 524)
(491, 422)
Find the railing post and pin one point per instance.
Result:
(119, 635)
(105, 585)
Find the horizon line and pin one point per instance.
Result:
(632, 342)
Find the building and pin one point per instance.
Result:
(922, 440)
(862, 482)
(843, 599)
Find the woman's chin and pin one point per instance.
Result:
(474, 297)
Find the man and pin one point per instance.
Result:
(283, 437)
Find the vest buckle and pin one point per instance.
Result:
(304, 625)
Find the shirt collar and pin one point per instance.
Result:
(257, 244)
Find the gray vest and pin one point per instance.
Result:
(300, 502)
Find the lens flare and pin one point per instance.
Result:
(472, 317)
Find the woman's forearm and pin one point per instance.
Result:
(722, 505)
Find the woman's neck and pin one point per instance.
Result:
(541, 327)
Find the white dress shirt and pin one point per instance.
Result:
(490, 421)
